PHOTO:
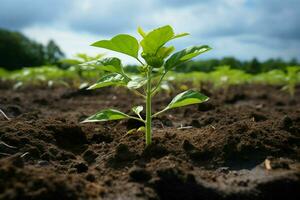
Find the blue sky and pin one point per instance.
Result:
(240, 28)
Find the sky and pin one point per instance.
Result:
(241, 28)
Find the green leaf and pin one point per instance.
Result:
(141, 32)
(141, 129)
(122, 43)
(108, 64)
(112, 65)
(136, 82)
(134, 130)
(186, 98)
(180, 35)
(185, 55)
(156, 39)
(106, 115)
(108, 80)
(164, 52)
(137, 109)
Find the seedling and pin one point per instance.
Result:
(291, 80)
(156, 63)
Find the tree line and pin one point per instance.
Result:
(17, 51)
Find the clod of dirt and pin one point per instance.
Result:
(65, 155)
(68, 136)
(101, 137)
(121, 156)
(13, 110)
(285, 123)
(89, 156)
(235, 97)
(90, 177)
(258, 117)
(81, 167)
(139, 174)
(206, 106)
(194, 153)
(155, 151)
(173, 184)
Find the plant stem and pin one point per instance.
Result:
(148, 108)
(159, 82)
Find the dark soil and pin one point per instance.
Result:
(242, 144)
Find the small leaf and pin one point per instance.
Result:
(108, 64)
(156, 39)
(185, 55)
(136, 82)
(108, 80)
(164, 52)
(141, 129)
(122, 43)
(141, 32)
(131, 131)
(112, 65)
(186, 98)
(137, 109)
(134, 130)
(180, 35)
(106, 115)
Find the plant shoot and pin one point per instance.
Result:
(155, 60)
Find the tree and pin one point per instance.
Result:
(53, 54)
(17, 51)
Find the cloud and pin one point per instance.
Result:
(17, 14)
(266, 27)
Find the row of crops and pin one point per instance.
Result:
(222, 76)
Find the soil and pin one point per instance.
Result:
(244, 143)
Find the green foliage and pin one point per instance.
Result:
(253, 66)
(106, 115)
(158, 62)
(187, 98)
(122, 43)
(291, 79)
(109, 80)
(184, 55)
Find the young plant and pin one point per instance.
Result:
(158, 61)
(291, 80)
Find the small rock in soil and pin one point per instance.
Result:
(89, 156)
(206, 106)
(155, 151)
(81, 167)
(90, 177)
(139, 174)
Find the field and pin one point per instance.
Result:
(244, 143)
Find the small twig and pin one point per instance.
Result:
(4, 115)
(185, 127)
(7, 145)
(24, 154)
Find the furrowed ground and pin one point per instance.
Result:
(244, 143)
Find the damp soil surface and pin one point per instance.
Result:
(244, 143)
